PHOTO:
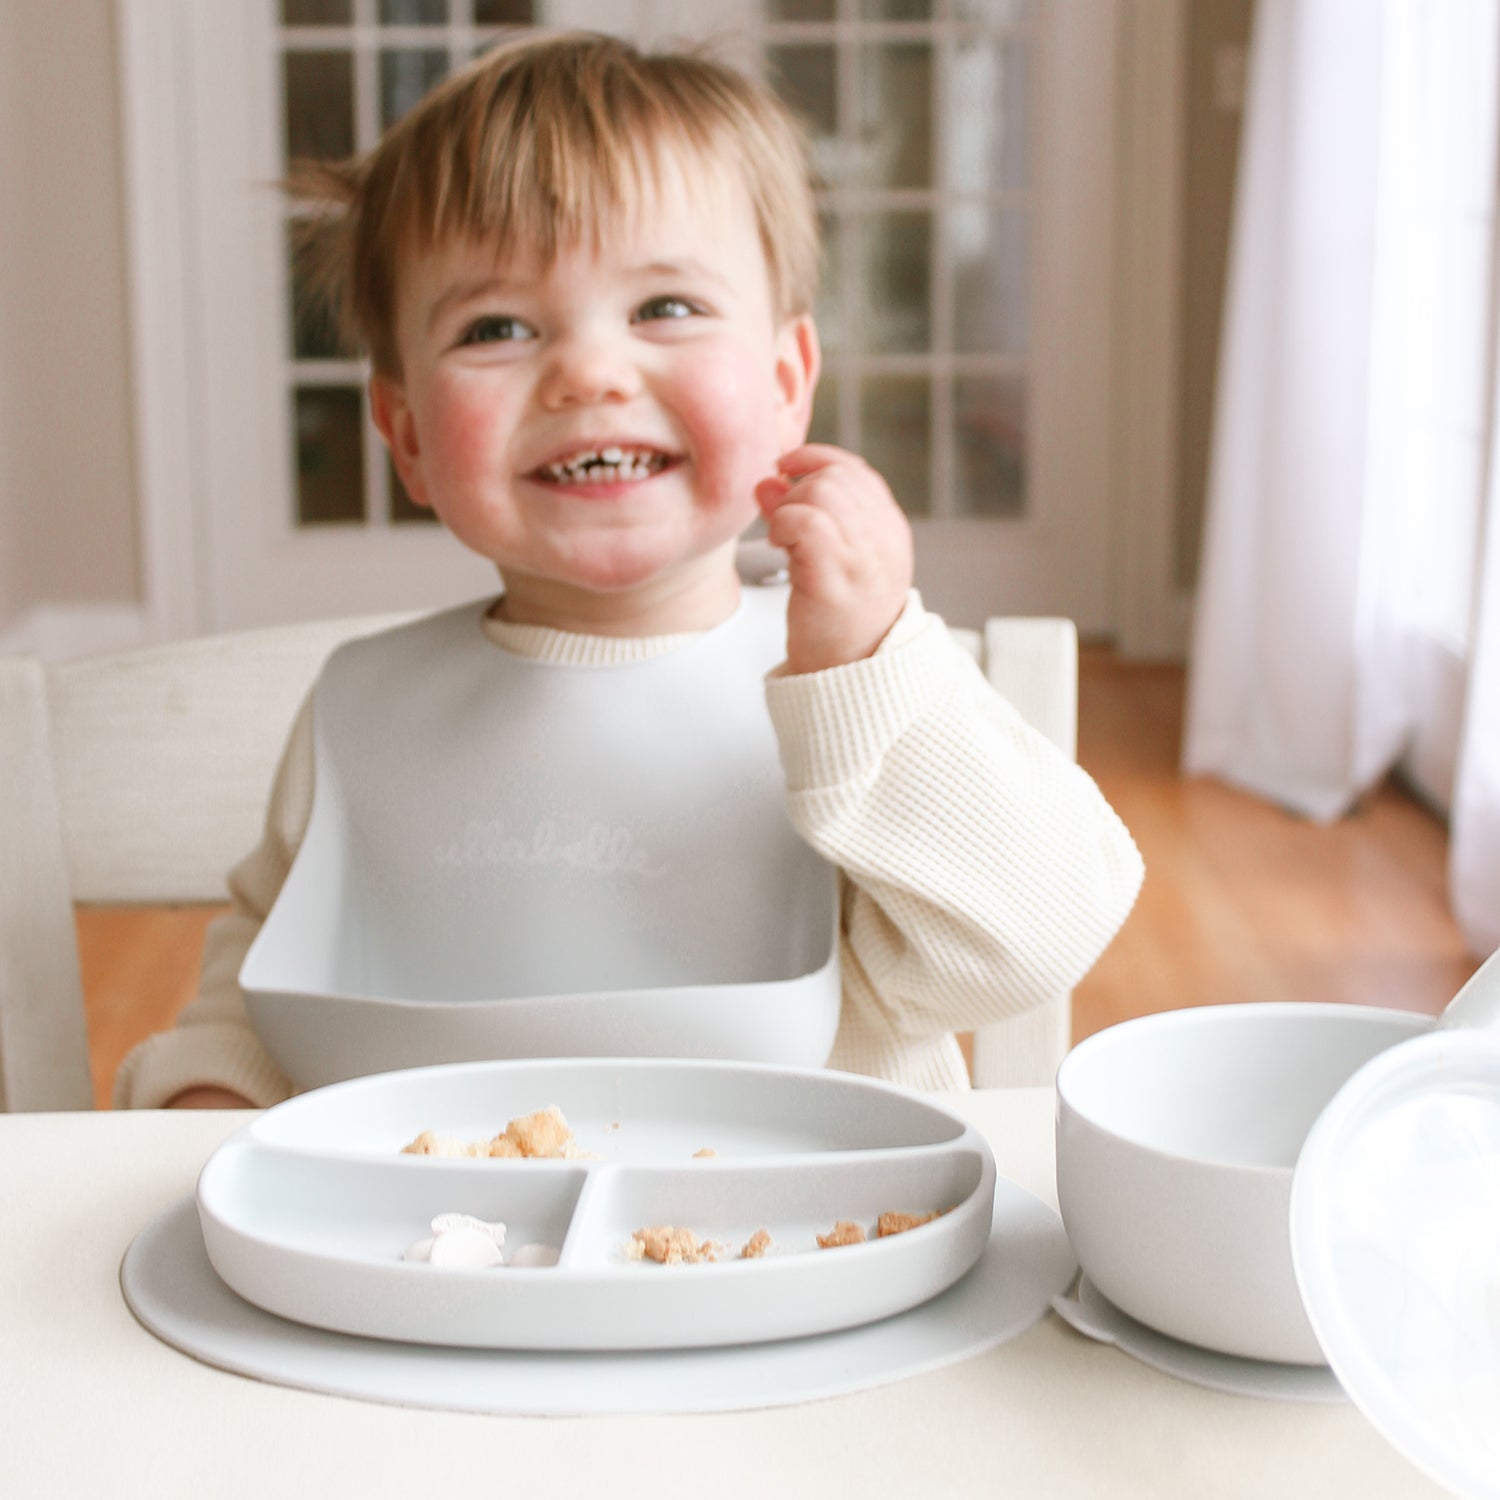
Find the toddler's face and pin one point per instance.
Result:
(599, 424)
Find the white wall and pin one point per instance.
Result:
(67, 501)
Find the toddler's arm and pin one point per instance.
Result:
(209, 1098)
(984, 871)
(213, 1059)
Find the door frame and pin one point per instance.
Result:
(161, 280)
(1153, 612)
(155, 41)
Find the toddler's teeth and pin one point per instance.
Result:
(606, 466)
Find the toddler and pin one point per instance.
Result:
(584, 277)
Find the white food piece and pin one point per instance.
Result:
(459, 1240)
(535, 1255)
(464, 1247)
(446, 1223)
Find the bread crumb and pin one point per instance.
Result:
(672, 1246)
(430, 1143)
(899, 1223)
(756, 1246)
(544, 1133)
(843, 1233)
(704, 1154)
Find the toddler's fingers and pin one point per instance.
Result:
(811, 457)
(802, 531)
(840, 496)
(771, 492)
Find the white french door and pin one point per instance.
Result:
(967, 311)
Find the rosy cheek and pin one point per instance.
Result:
(728, 398)
(462, 431)
(732, 376)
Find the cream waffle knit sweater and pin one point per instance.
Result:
(982, 871)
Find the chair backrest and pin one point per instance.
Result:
(163, 757)
(141, 777)
(138, 777)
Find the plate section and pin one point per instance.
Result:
(306, 1213)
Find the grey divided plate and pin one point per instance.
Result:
(308, 1210)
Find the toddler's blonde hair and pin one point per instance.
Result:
(546, 142)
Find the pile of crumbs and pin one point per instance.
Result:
(843, 1233)
(756, 1246)
(669, 1245)
(846, 1232)
(543, 1134)
(900, 1223)
(672, 1245)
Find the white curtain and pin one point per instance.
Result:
(1348, 607)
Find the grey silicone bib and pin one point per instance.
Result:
(511, 858)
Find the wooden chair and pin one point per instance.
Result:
(1033, 662)
(141, 778)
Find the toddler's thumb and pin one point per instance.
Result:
(771, 491)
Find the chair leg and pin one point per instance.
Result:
(44, 1055)
(1024, 1052)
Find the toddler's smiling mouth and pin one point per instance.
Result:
(612, 463)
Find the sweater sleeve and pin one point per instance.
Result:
(984, 872)
(213, 1042)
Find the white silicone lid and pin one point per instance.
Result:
(1395, 1225)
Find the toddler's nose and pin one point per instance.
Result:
(585, 371)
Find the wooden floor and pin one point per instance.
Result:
(1242, 902)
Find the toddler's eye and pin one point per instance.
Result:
(666, 307)
(496, 329)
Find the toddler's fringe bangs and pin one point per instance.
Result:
(547, 158)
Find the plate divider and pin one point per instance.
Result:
(597, 1173)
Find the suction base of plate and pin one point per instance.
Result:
(1091, 1313)
(171, 1288)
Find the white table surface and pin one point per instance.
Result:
(91, 1404)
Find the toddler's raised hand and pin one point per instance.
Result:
(849, 554)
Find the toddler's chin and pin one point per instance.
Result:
(624, 570)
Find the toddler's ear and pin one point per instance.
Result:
(799, 357)
(393, 419)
